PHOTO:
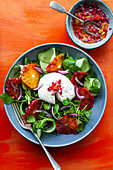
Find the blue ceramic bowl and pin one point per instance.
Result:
(52, 140)
(69, 28)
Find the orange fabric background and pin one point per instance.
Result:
(23, 25)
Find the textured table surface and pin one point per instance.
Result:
(23, 25)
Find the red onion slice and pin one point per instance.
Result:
(39, 70)
(63, 72)
(64, 107)
(76, 114)
(53, 113)
(78, 81)
(77, 93)
(20, 93)
(37, 88)
(38, 111)
(14, 86)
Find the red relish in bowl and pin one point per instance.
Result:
(94, 13)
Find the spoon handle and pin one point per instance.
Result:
(57, 7)
(61, 9)
(73, 16)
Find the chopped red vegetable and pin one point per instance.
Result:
(67, 125)
(87, 100)
(31, 110)
(56, 87)
(94, 13)
(13, 87)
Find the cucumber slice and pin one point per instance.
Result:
(51, 128)
(47, 56)
(26, 60)
(93, 82)
(15, 71)
(96, 83)
(39, 133)
(83, 64)
(43, 65)
(88, 84)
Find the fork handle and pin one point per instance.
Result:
(52, 161)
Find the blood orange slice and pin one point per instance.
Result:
(67, 125)
(55, 64)
(31, 110)
(13, 87)
(78, 78)
(87, 100)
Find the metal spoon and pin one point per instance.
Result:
(61, 9)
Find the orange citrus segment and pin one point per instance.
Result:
(55, 64)
(30, 76)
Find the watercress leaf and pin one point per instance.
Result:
(86, 119)
(88, 112)
(23, 107)
(35, 94)
(68, 62)
(94, 89)
(77, 101)
(74, 68)
(41, 115)
(6, 98)
(66, 102)
(46, 106)
(91, 74)
(34, 127)
(28, 95)
(80, 126)
(38, 125)
(56, 108)
(30, 119)
(57, 50)
(72, 109)
(69, 75)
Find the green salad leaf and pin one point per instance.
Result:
(6, 98)
(30, 119)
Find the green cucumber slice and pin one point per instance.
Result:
(92, 82)
(15, 71)
(88, 84)
(83, 64)
(47, 56)
(96, 83)
(39, 133)
(43, 65)
(26, 60)
(51, 128)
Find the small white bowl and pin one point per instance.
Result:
(69, 28)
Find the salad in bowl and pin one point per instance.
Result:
(54, 92)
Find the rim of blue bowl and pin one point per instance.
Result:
(81, 44)
(105, 100)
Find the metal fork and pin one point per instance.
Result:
(28, 127)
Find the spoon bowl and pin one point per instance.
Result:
(69, 26)
(61, 9)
